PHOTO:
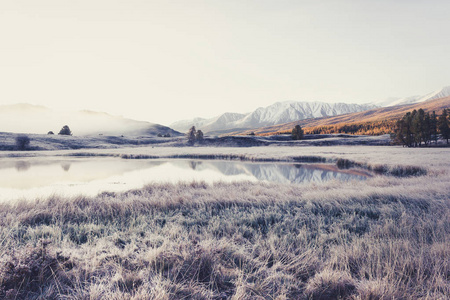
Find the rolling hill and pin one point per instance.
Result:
(27, 118)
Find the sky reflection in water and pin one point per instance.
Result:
(32, 178)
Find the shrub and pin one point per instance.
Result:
(65, 131)
(199, 136)
(343, 163)
(22, 142)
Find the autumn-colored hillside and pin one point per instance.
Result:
(373, 122)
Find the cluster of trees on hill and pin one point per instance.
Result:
(418, 127)
(194, 135)
(363, 128)
(163, 135)
(23, 141)
(65, 130)
(357, 128)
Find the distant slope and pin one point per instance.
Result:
(373, 115)
(278, 113)
(441, 93)
(27, 118)
(223, 121)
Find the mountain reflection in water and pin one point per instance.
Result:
(37, 177)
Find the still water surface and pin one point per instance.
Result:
(37, 177)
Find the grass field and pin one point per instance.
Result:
(385, 238)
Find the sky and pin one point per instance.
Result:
(163, 61)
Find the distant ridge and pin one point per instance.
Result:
(441, 93)
(28, 118)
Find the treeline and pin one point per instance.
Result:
(364, 128)
(418, 128)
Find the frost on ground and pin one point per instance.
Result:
(61, 142)
(384, 238)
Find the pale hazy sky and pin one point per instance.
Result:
(162, 61)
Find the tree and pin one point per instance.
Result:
(297, 133)
(22, 142)
(418, 126)
(50, 132)
(426, 136)
(433, 127)
(404, 130)
(443, 125)
(397, 136)
(199, 136)
(65, 131)
(191, 135)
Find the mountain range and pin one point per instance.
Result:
(27, 118)
(293, 111)
(387, 113)
(278, 113)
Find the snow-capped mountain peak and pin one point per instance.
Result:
(441, 93)
(277, 113)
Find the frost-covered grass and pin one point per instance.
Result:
(384, 238)
(42, 142)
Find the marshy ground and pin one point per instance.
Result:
(384, 238)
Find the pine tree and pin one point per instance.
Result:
(407, 130)
(417, 126)
(433, 127)
(399, 136)
(199, 136)
(191, 135)
(426, 134)
(443, 125)
(297, 133)
(65, 131)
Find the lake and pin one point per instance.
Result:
(41, 177)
